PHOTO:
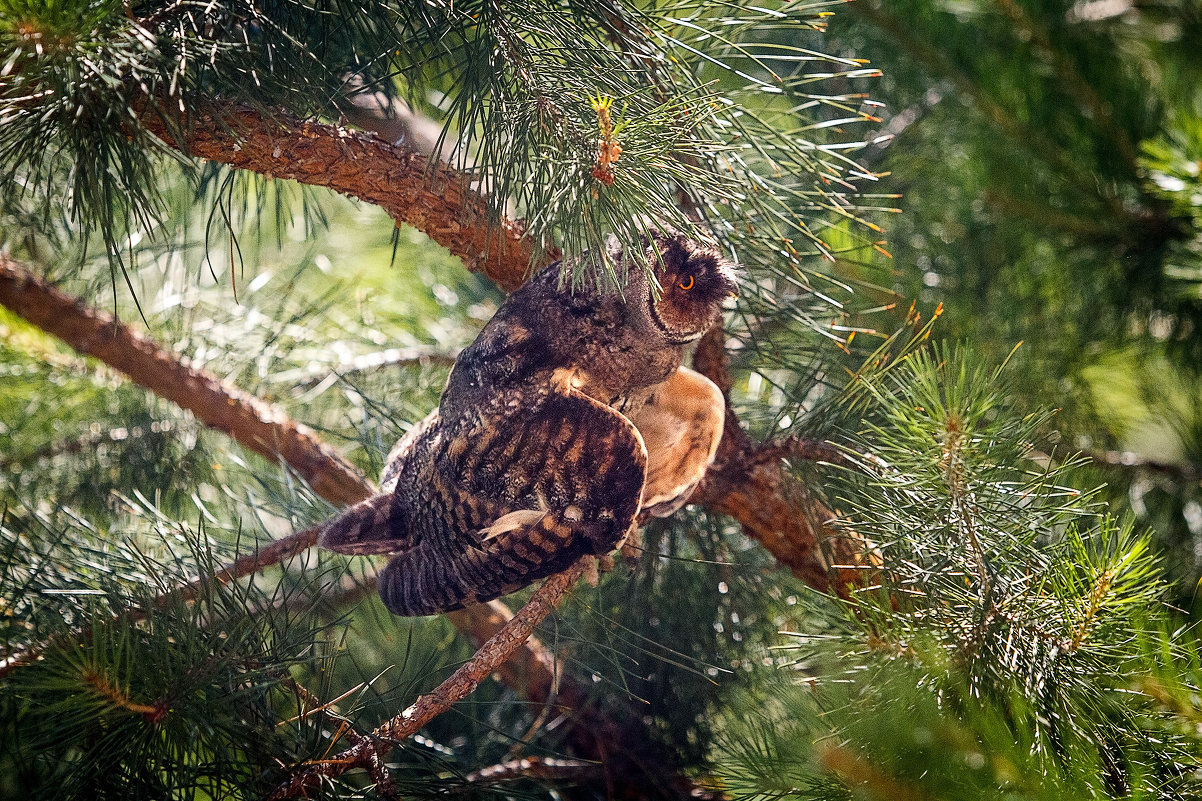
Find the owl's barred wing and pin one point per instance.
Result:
(567, 480)
(401, 456)
(681, 425)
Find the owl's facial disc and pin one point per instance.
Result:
(695, 281)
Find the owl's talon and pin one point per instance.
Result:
(631, 545)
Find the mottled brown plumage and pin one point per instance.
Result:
(568, 415)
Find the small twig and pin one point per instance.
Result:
(392, 357)
(312, 705)
(278, 551)
(351, 589)
(533, 767)
(809, 450)
(457, 687)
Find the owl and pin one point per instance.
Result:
(568, 417)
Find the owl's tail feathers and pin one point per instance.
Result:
(376, 525)
(421, 582)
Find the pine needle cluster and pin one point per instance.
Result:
(1006, 642)
(695, 116)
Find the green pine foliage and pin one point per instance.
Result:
(1007, 644)
(1048, 156)
(184, 705)
(713, 105)
(1013, 641)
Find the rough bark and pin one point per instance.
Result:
(259, 426)
(430, 196)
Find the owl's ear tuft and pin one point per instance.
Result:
(695, 268)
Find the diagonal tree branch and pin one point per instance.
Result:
(432, 197)
(259, 426)
(458, 686)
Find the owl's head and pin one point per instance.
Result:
(694, 281)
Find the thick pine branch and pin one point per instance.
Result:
(748, 483)
(259, 426)
(435, 199)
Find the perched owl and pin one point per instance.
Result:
(568, 415)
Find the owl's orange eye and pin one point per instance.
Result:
(686, 285)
